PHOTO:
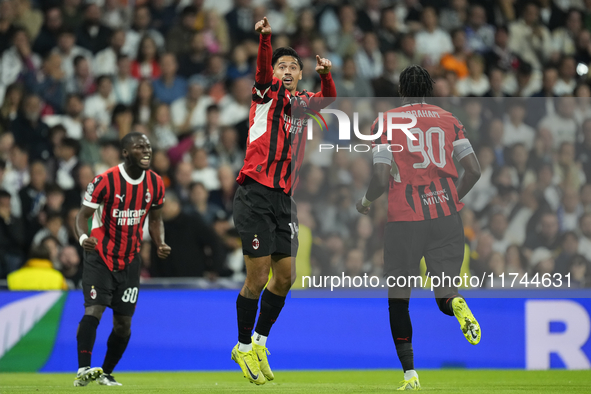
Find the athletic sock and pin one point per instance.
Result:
(260, 339)
(271, 305)
(116, 346)
(85, 338)
(246, 309)
(445, 304)
(401, 328)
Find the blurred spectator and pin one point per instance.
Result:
(47, 37)
(546, 234)
(115, 14)
(522, 175)
(224, 196)
(7, 25)
(182, 181)
(37, 274)
(110, 156)
(100, 104)
(501, 55)
(235, 107)
(146, 63)
(12, 237)
(479, 34)
(350, 84)
(240, 22)
(495, 265)
(179, 37)
(33, 198)
(193, 62)
(68, 51)
(10, 106)
(121, 123)
(228, 152)
(369, 58)
(53, 226)
(105, 61)
(190, 236)
(18, 60)
(580, 272)
(82, 80)
(456, 60)
(522, 216)
(389, 33)
(32, 132)
(161, 165)
(89, 146)
(567, 172)
(585, 240)
(71, 267)
(530, 38)
(454, 15)
(199, 204)
(386, 85)
(145, 104)
(124, 86)
(164, 130)
(72, 120)
(541, 262)
(432, 41)
(31, 19)
(561, 123)
(498, 227)
(349, 35)
(92, 34)
(163, 15)
(202, 172)
(515, 261)
(240, 66)
(49, 83)
(189, 113)
(169, 86)
(563, 38)
(72, 13)
(476, 83)
(569, 248)
(139, 29)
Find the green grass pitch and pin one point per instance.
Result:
(316, 382)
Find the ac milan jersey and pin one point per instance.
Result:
(277, 136)
(122, 205)
(423, 171)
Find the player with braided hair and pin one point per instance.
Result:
(423, 210)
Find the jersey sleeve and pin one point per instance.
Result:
(96, 192)
(159, 194)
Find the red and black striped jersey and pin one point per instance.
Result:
(423, 171)
(276, 136)
(122, 205)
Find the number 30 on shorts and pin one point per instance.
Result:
(130, 295)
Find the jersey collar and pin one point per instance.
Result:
(130, 179)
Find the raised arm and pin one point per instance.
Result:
(264, 74)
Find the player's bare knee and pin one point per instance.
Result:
(95, 310)
(122, 325)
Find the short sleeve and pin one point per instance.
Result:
(159, 193)
(459, 129)
(96, 192)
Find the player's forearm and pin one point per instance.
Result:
(264, 72)
(466, 183)
(156, 228)
(327, 86)
(377, 187)
(81, 224)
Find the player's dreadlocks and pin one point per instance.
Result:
(415, 82)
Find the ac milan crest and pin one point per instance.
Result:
(93, 293)
(256, 243)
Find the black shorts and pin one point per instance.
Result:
(266, 220)
(440, 241)
(118, 290)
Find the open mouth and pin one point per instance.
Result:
(287, 80)
(145, 161)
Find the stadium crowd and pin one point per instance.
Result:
(76, 76)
